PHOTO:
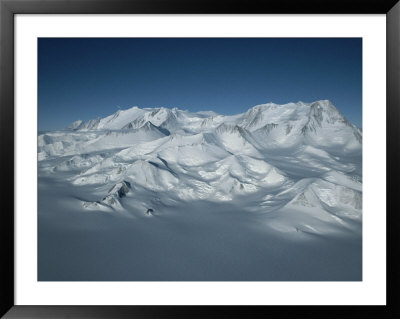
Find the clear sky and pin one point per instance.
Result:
(83, 78)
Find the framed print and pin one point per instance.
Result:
(172, 157)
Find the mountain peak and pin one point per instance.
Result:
(75, 125)
(325, 111)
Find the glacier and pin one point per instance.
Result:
(274, 193)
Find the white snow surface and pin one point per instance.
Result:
(295, 168)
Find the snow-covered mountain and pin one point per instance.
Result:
(275, 159)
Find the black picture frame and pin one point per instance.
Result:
(8, 8)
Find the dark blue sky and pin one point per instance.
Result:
(85, 78)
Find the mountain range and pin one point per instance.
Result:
(302, 160)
